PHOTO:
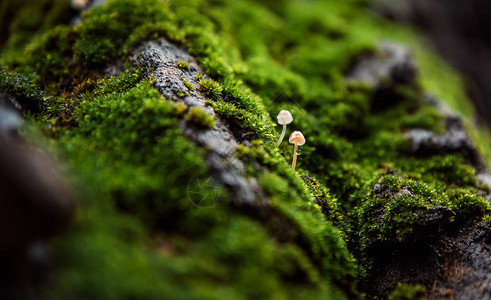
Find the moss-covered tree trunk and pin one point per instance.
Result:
(163, 117)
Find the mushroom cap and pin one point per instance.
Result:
(297, 137)
(79, 4)
(284, 117)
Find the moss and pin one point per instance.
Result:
(451, 170)
(466, 203)
(102, 36)
(211, 88)
(133, 131)
(180, 109)
(22, 20)
(60, 110)
(406, 291)
(385, 216)
(182, 64)
(324, 199)
(140, 229)
(150, 134)
(487, 219)
(273, 184)
(394, 207)
(189, 85)
(391, 183)
(51, 57)
(197, 117)
(118, 19)
(22, 90)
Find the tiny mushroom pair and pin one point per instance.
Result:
(297, 138)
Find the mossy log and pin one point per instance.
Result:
(162, 115)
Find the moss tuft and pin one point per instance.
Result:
(211, 88)
(189, 85)
(487, 219)
(197, 117)
(22, 90)
(406, 291)
(466, 203)
(390, 182)
(182, 64)
(180, 109)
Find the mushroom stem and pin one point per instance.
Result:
(294, 163)
(282, 135)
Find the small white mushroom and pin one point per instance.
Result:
(79, 4)
(298, 139)
(284, 118)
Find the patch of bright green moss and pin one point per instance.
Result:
(211, 88)
(394, 207)
(189, 85)
(406, 291)
(180, 109)
(182, 64)
(466, 203)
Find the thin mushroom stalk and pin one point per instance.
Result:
(298, 139)
(282, 135)
(294, 163)
(284, 118)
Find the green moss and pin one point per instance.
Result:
(324, 199)
(50, 56)
(197, 117)
(385, 216)
(118, 18)
(136, 136)
(466, 203)
(406, 291)
(211, 88)
(391, 183)
(22, 90)
(106, 33)
(452, 170)
(394, 207)
(180, 109)
(23, 19)
(273, 184)
(189, 85)
(59, 110)
(426, 118)
(182, 64)
(487, 219)
(138, 228)
(241, 253)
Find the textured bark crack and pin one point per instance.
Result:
(160, 60)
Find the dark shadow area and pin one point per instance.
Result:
(461, 32)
